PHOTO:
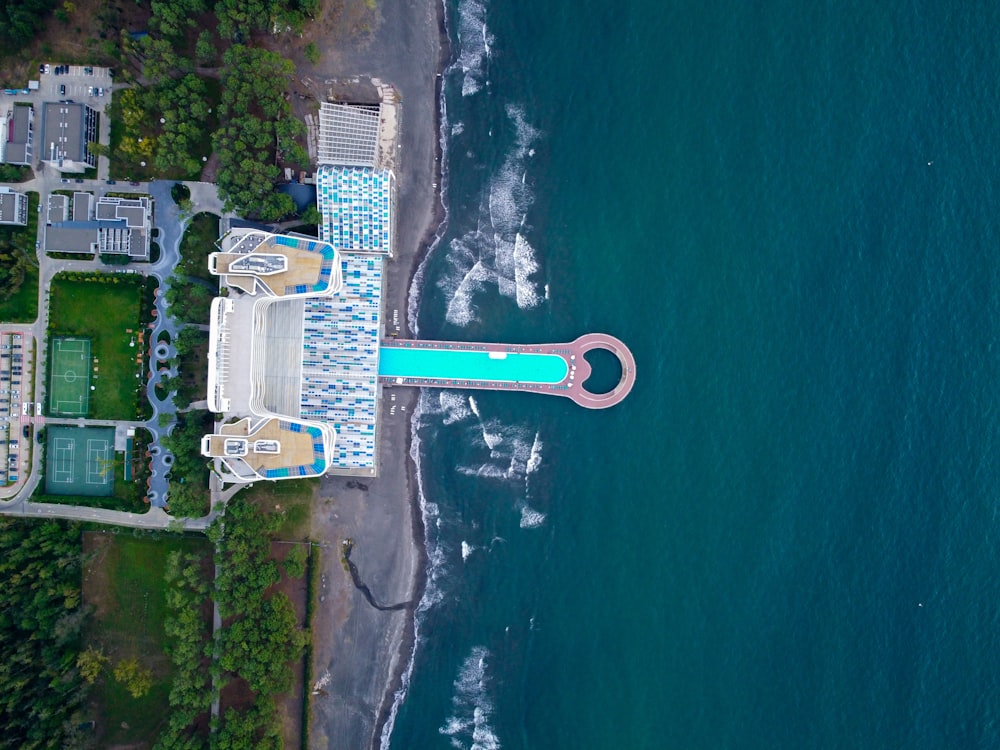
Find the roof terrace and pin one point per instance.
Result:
(278, 265)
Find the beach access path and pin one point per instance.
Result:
(359, 652)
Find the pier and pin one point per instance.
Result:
(554, 369)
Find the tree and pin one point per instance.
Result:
(312, 53)
(20, 20)
(90, 663)
(257, 129)
(204, 48)
(188, 494)
(311, 215)
(41, 687)
(136, 678)
(295, 561)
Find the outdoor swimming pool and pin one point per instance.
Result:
(452, 364)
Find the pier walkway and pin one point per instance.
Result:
(555, 369)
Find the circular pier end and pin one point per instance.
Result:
(608, 343)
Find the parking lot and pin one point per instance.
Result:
(75, 84)
(78, 85)
(15, 389)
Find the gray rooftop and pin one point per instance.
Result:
(17, 149)
(66, 130)
(12, 208)
(58, 208)
(81, 206)
(71, 237)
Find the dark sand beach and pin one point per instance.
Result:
(360, 652)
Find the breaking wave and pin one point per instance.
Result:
(474, 41)
(469, 725)
(497, 252)
(531, 518)
(454, 406)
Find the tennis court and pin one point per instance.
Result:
(69, 377)
(79, 460)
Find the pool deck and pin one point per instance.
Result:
(577, 368)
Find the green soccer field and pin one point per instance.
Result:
(106, 309)
(69, 377)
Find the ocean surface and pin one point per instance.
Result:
(787, 536)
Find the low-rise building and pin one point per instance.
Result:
(13, 207)
(111, 226)
(67, 129)
(16, 135)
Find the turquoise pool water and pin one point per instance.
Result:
(448, 364)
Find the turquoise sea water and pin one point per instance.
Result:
(787, 535)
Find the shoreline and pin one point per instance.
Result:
(397, 686)
(362, 657)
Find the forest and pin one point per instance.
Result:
(41, 619)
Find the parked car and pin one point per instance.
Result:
(62, 89)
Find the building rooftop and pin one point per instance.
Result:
(16, 135)
(67, 129)
(269, 449)
(276, 265)
(358, 208)
(13, 207)
(348, 134)
(298, 354)
(118, 226)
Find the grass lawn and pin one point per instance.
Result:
(198, 241)
(292, 499)
(22, 305)
(109, 315)
(123, 582)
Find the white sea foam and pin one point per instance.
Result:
(474, 42)
(497, 251)
(467, 549)
(457, 128)
(466, 276)
(489, 471)
(454, 406)
(510, 198)
(531, 518)
(525, 291)
(472, 708)
(535, 457)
